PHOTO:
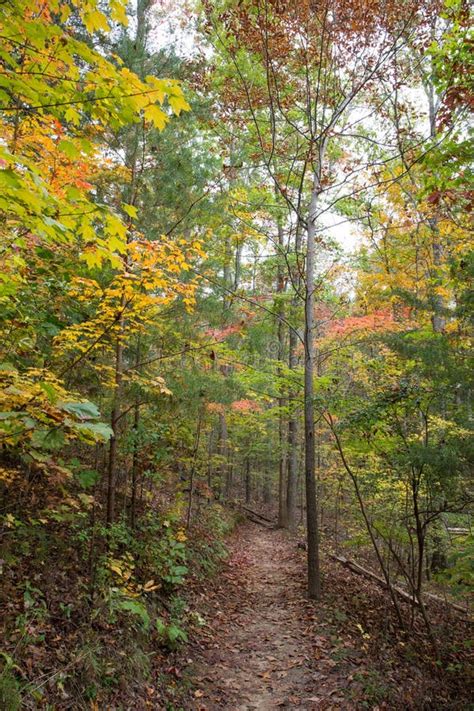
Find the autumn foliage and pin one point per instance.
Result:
(236, 276)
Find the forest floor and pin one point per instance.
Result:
(265, 646)
(257, 654)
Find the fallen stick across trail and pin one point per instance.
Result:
(258, 519)
(257, 514)
(360, 570)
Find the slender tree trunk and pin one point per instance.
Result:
(229, 474)
(438, 304)
(133, 499)
(226, 297)
(135, 456)
(210, 447)
(197, 440)
(223, 452)
(314, 579)
(438, 319)
(116, 407)
(301, 489)
(267, 489)
(248, 482)
(282, 509)
(91, 564)
(238, 263)
(292, 479)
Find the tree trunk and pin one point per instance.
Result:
(223, 453)
(282, 504)
(229, 481)
(192, 472)
(135, 456)
(248, 482)
(292, 479)
(226, 296)
(210, 448)
(133, 500)
(267, 489)
(282, 507)
(115, 416)
(238, 263)
(314, 580)
(438, 319)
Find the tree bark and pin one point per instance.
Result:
(135, 455)
(115, 416)
(292, 479)
(133, 499)
(223, 453)
(192, 472)
(282, 504)
(229, 481)
(314, 578)
(248, 482)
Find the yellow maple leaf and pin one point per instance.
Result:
(95, 20)
(158, 118)
(178, 104)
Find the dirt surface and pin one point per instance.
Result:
(257, 653)
(262, 645)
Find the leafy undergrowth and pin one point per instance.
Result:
(265, 646)
(384, 665)
(91, 617)
(99, 618)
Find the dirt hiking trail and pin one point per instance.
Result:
(256, 652)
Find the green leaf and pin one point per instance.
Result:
(160, 626)
(87, 478)
(176, 634)
(9, 179)
(50, 391)
(95, 430)
(180, 570)
(8, 367)
(37, 456)
(72, 115)
(69, 149)
(83, 410)
(48, 439)
(135, 608)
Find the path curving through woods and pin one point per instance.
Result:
(256, 653)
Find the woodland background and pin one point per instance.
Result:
(236, 273)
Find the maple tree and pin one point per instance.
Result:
(48, 204)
